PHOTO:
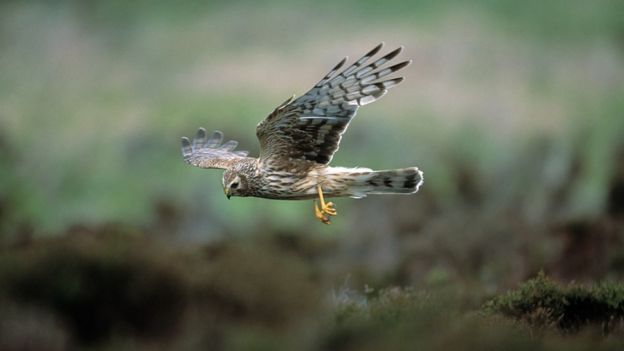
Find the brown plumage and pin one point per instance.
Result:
(299, 138)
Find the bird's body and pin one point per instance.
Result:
(298, 140)
(299, 181)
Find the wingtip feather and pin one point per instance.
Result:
(201, 133)
(375, 50)
(392, 54)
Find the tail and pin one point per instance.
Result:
(394, 181)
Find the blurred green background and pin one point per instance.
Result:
(514, 111)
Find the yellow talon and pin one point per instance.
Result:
(318, 213)
(330, 209)
(325, 209)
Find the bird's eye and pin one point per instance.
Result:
(234, 185)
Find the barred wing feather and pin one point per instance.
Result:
(311, 126)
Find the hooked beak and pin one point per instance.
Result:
(226, 191)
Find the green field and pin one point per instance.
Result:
(513, 110)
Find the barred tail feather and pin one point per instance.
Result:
(395, 181)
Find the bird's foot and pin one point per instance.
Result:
(323, 211)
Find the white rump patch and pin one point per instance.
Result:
(318, 117)
(335, 170)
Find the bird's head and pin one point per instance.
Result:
(234, 183)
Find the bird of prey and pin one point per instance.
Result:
(299, 138)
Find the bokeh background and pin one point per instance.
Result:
(512, 109)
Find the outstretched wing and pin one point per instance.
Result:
(210, 152)
(311, 126)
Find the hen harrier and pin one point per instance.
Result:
(299, 138)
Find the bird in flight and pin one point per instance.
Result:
(299, 138)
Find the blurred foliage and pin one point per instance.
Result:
(113, 284)
(542, 303)
(114, 287)
(98, 287)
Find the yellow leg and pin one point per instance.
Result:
(325, 209)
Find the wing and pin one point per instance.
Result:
(210, 152)
(311, 126)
